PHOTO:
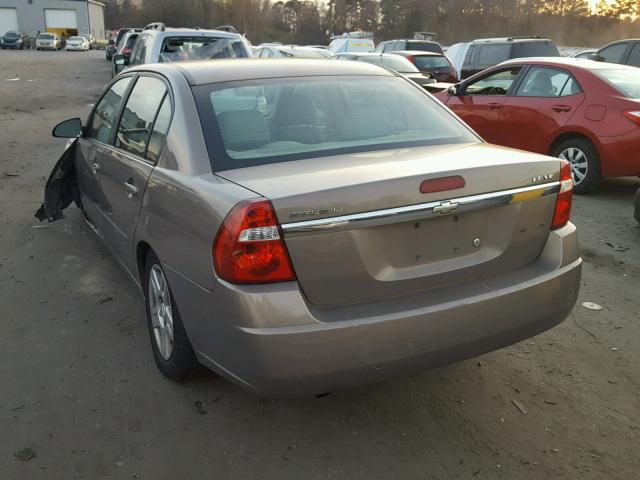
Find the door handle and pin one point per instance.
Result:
(494, 106)
(561, 108)
(95, 166)
(131, 189)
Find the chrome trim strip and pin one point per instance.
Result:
(416, 212)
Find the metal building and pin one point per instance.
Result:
(66, 17)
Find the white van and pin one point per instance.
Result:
(352, 42)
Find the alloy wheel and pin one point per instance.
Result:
(578, 161)
(161, 313)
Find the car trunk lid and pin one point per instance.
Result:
(358, 228)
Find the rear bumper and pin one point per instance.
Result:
(620, 155)
(270, 341)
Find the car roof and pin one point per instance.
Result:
(191, 32)
(417, 53)
(202, 72)
(565, 62)
(511, 39)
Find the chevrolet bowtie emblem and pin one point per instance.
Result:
(445, 207)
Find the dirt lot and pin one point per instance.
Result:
(80, 396)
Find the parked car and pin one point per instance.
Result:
(15, 40)
(326, 224)
(123, 51)
(291, 51)
(48, 41)
(437, 65)
(91, 40)
(625, 52)
(110, 49)
(78, 43)
(159, 44)
(471, 58)
(392, 62)
(120, 32)
(352, 42)
(584, 53)
(415, 45)
(583, 111)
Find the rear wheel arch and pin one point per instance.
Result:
(584, 157)
(563, 137)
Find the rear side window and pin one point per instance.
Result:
(267, 121)
(138, 115)
(160, 129)
(176, 49)
(614, 53)
(490, 55)
(534, 49)
(106, 111)
(547, 82)
(424, 47)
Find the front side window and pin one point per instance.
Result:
(634, 56)
(267, 121)
(614, 53)
(490, 55)
(176, 49)
(547, 82)
(106, 111)
(138, 115)
(498, 83)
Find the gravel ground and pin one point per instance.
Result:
(81, 398)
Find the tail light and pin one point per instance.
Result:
(249, 247)
(633, 115)
(562, 212)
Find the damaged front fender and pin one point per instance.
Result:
(61, 188)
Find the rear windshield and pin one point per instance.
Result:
(425, 47)
(534, 49)
(175, 49)
(76, 39)
(267, 121)
(306, 53)
(625, 80)
(394, 62)
(430, 62)
(45, 36)
(12, 34)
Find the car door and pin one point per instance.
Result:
(124, 173)
(543, 103)
(94, 146)
(482, 98)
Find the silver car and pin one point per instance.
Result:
(300, 226)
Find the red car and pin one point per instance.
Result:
(583, 111)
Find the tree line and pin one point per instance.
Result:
(567, 22)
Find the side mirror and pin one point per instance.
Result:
(596, 57)
(119, 60)
(455, 90)
(71, 128)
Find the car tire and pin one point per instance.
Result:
(585, 163)
(172, 350)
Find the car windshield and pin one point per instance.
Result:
(430, 62)
(12, 34)
(394, 62)
(45, 36)
(424, 47)
(176, 49)
(625, 80)
(267, 121)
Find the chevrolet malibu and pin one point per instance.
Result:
(300, 226)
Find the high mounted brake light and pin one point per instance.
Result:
(249, 247)
(562, 213)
